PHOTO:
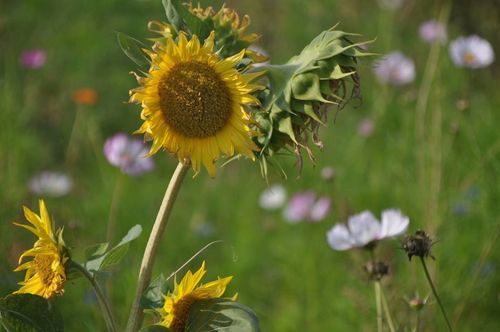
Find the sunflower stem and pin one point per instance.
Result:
(428, 276)
(101, 298)
(378, 303)
(136, 314)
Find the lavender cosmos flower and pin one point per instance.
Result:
(53, 184)
(363, 229)
(320, 209)
(395, 68)
(129, 154)
(366, 127)
(433, 31)
(33, 59)
(304, 206)
(471, 52)
(327, 173)
(273, 197)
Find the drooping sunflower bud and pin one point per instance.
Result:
(302, 92)
(376, 270)
(230, 31)
(418, 244)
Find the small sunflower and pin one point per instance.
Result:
(175, 311)
(45, 273)
(193, 102)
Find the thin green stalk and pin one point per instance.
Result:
(417, 323)
(115, 199)
(101, 298)
(387, 313)
(435, 293)
(378, 303)
(136, 314)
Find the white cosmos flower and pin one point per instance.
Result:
(273, 197)
(471, 52)
(395, 68)
(363, 229)
(53, 184)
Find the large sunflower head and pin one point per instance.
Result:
(177, 305)
(193, 102)
(45, 272)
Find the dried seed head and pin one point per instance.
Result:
(376, 269)
(418, 244)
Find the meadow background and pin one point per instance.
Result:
(447, 181)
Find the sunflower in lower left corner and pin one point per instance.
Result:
(45, 273)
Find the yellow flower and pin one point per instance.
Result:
(45, 273)
(175, 311)
(193, 102)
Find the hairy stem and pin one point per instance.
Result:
(101, 298)
(435, 293)
(136, 314)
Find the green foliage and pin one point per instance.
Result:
(181, 19)
(133, 48)
(102, 259)
(154, 328)
(221, 314)
(29, 313)
(153, 296)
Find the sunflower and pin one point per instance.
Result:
(175, 311)
(193, 102)
(45, 273)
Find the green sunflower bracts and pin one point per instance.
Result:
(302, 92)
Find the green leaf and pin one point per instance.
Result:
(133, 48)
(155, 328)
(29, 313)
(115, 254)
(172, 13)
(181, 19)
(153, 295)
(221, 314)
(96, 250)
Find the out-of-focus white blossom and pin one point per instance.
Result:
(363, 229)
(53, 184)
(395, 68)
(471, 52)
(273, 197)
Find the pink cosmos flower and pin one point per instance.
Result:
(33, 59)
(129, 154)
(433, 31)
(366, 127)
(304, 206)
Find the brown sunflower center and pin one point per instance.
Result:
(43, 266)
(194, 100)
(181, 312)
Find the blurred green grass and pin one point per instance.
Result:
(286, 273)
